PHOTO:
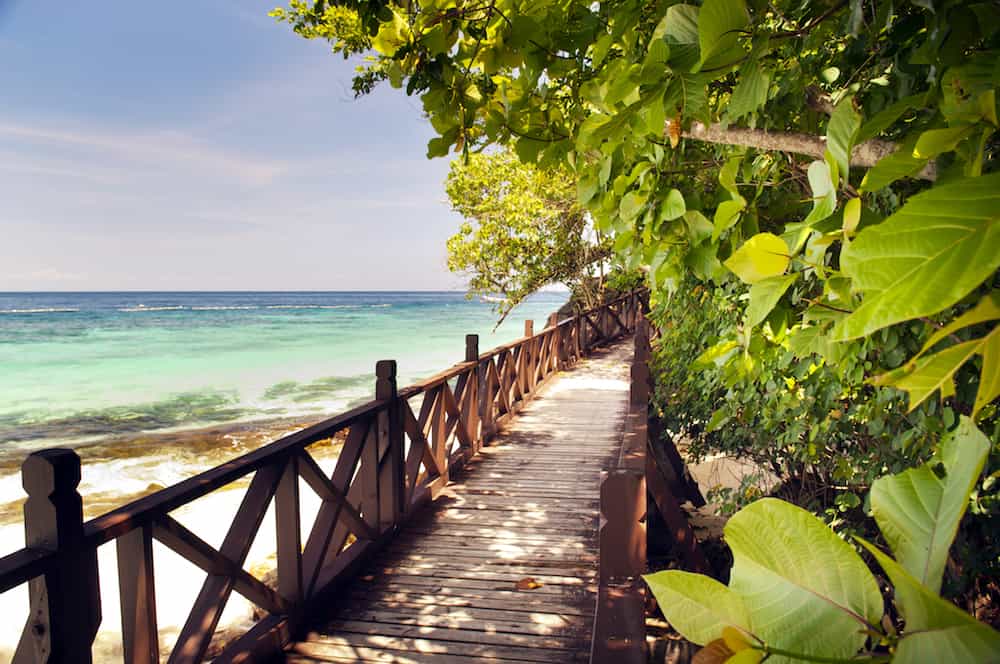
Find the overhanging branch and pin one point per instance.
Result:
(864, 155)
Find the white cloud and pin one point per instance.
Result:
(154, 149)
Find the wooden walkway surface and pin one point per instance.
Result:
(502, 566)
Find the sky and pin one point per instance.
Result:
(199, 145)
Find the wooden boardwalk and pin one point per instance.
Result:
(502, 566)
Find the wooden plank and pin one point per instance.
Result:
(402, 647)
(491, 621)
(465, 597)
(384, 629)
(438, 584)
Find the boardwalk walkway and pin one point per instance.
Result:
(502, 566)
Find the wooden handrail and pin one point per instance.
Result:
(395, 457)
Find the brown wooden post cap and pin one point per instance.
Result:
(385, 379)
(529, 327)
(471, 347)
(50, 471)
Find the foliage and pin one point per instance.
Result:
(849, 255)
(523, 229)
(798, 592)
(611, 89)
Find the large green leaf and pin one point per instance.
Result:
(806, 589)
(698, 606)
(933, 142)
(922, 376)
(762, 256)
(926, 257)
(936, 630)
(751, 91)
(841, 132)
(726, 216)
(764, 295)
(719, 26)
(918, 511)
(824, 192)
(892, 167)
(887, 116)
(392, 35)
(679, 27)
(673, 207)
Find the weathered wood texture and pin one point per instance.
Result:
(502, 567)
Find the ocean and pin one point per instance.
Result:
(151, 388)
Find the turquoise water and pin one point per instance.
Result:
(152, 388)
(123, 376)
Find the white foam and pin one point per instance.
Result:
(141, 308)
(177, 582)
(53, 310)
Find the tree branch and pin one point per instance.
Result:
(864, 155)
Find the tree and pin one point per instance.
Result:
(826, 169)
(524, 230)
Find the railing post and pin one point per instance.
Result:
(288, 533)
(392, 481)
(471, 400)
(640, 387)
(136, 589)
(525, 371)
(65, 602)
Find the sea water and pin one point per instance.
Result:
(151, 388)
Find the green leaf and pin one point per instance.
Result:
(687, 95)
(899, 164)
(887, 116)
(824, 192)
(719, 26)
(704, 263)
(922, 377)
(679, 27)
(632, 204)
(962, 89)
(841, 132)
(936, 630)
(927, 256)
(726, 216)
(852, 215)
(392, 35)
(918, 512)
(762, 256)
(716, 355)
(935, 141)
(805, 588)
(699, 227)
(764, 295)
(750, 93)
(673, 206)
(727, 177)
(697, 606)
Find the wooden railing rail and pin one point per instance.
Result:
(398, 452)
(648, 474)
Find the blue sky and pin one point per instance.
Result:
(200, 145)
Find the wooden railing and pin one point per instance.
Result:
(648, 474)
(398, 452)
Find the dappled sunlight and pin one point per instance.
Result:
(504, 566)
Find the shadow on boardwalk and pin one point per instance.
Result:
(502, 566)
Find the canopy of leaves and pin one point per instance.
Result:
(523, 229)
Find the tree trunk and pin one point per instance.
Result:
(864, 155)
